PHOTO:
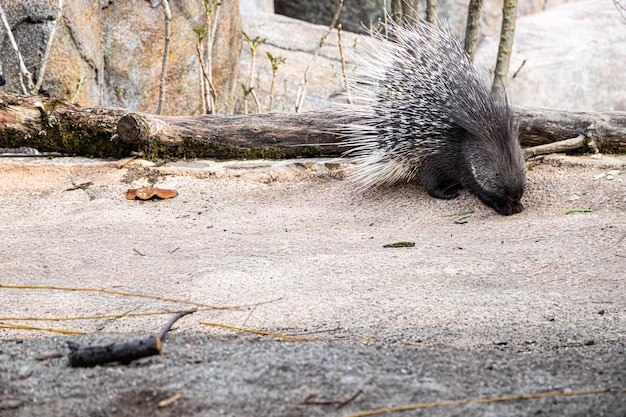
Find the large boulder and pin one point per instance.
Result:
(571, 57)
(356, 15)
(110, 52)
(256, 6)
(359, 16)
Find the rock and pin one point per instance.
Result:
(356, 15)
(256, 6)
(566, 69)
(121, 66)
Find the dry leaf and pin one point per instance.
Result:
(148, 193)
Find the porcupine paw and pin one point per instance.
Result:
(444, 191)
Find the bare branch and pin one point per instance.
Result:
(46, 54)
(166, 51)
(23, 70)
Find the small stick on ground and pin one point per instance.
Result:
(349, 399)
(311, 400)
(124, 353)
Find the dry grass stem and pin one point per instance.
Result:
(261, 332)
(128, 294)
(486, 400)
(43, 329)
(169, 401)
(99, 316)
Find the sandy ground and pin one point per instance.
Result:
(485, 306)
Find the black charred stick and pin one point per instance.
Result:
(125, 353)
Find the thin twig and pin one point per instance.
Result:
(257, 103)
(98, 316)
(23, 70)
(302, 87)
(166, 51)
(168, 401)
(43, 329)
(311, 400)
(261, 332)
(206, 103)
(81, 82)
(171, 322)
(212, 29)
(519, 69)
(46, 54)
(253, 44)
(349, 399)
(346, 85)
(123, 293)
(275, 61)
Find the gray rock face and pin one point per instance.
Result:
(356, 15)
(256, 6)
(110, 52)
(573, 58)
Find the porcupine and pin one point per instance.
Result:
(426, 114)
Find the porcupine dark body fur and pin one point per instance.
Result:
(425, 114)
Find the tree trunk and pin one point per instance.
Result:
(52, 125)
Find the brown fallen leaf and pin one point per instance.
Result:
(148, 193)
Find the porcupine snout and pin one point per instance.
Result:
(499, 181)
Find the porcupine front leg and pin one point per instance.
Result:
(438, 184)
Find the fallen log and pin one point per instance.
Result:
(53, 125)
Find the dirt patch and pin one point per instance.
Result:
(541, 293)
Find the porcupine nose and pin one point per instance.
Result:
(515, 196)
